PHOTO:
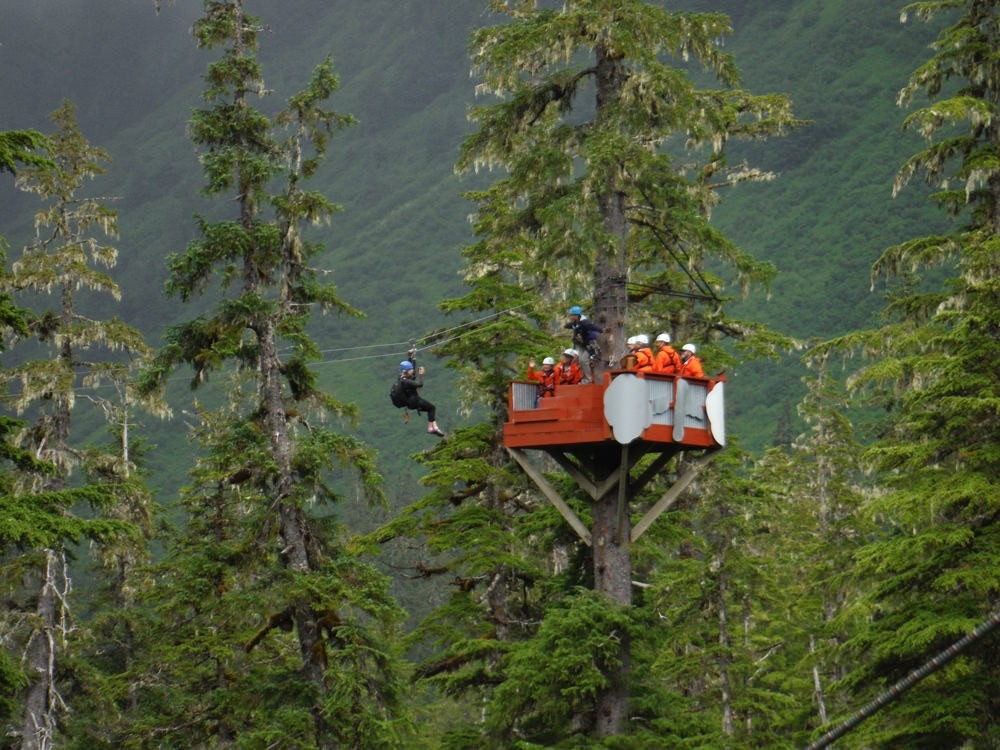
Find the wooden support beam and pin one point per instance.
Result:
(596, 490)
(671, 495)
(653, 470)
(549, 491)
(585, 483)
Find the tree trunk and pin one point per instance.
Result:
(817, 684)
(611, 263)
(725, 684)
(612, 555)
(293, 524)
(613, 578)
(42, 700)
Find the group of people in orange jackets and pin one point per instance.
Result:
(665, 360)
(567, 372)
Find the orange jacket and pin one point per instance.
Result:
(667, 361)
(569, 374)
(691, 368)
(644, 358)
(547, 381)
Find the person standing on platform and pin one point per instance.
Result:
(547, 378)
(585, 333)
(568, 371)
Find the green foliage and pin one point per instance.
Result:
(932, 572)
(726, 600)
(557, 674)
(280, 595)
(817, 225)
(22, 147)
(12, 682)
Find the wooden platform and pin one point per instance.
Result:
(684, 412)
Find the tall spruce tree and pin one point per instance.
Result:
(932, 575)
(86, 354)
(612, 157)
(590, 200)
(814, 489)
(262, 490)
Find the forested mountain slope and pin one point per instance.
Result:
(780, 584)
(394, 250)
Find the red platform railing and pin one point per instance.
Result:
(680, 411)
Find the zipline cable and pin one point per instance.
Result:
(907, 682)
(397, 346)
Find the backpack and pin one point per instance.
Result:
(397, 395)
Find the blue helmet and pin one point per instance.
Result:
(406, 365)
(576, 310)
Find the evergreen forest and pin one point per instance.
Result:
(227, 227)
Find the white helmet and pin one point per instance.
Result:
(642, 339)
(664, 337)
(570, 353)
(632, 340)
(548, 361)
(689, 348)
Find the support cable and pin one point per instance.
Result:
(907, 682)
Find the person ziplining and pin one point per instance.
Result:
(405, 393)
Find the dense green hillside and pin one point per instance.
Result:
(830, 213)
(394, 250)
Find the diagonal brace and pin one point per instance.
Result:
(550, 492)
(671, 495)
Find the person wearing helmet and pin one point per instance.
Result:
(638, 347)
(547, 378)
(568, 372)
(411, 380)
(585, 333)
(690, 364)
(666, 360)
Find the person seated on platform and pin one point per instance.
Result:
(547, 378)
(568, 371)
(667, 361)
(690, 364)
(638, 347)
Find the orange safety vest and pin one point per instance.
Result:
(547, 381)
(691, 368)
(643, 358)
(667, 361)
(570, 374)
